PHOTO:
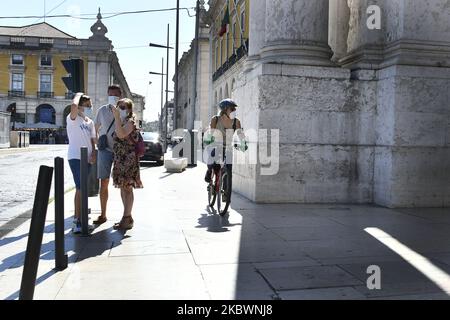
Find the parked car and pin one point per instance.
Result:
(154, 150)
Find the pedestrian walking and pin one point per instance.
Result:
(126, 171)
(81, 133)
(104, 124)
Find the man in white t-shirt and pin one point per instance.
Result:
(81, 133)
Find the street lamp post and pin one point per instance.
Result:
(177, 48)
(162, 74)
(167, 79)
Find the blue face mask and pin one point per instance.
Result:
(88, 112)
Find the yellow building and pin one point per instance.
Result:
(31, 71)
(229, 35)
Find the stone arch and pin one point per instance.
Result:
(11, 107)
(233, 87)
(215, 98)
(227, 92)
(220, 94)
(45, 113)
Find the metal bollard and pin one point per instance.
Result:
(61, 259)
(84, 192)
(36, 233)
(94, 182)
(194, 144)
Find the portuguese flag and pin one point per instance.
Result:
(225, 23)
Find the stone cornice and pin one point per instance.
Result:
(401, 52)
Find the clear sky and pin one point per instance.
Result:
(126, 31)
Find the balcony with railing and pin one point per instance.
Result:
(45, 95)
(238, 55)
(16, 94)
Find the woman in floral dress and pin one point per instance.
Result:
(126, 171)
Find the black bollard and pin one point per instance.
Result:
(61, 259)
(36, 233)
(84, 192)
(194, 145)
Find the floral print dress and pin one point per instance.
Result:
(126, 171)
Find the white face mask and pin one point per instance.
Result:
(123, 114)
(88, 112)
(233, 115)
(112, 100)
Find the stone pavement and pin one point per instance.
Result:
(19, 170)
(180, 249)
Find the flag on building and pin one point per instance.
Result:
(225, 23)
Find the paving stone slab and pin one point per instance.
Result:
(309, 277)
(345, 293)
(235, 282)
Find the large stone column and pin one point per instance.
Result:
(296, 32)
(339, 17)
(325, 122)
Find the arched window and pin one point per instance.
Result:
(45, 113)
(215, 99)
(221, 95)
(227, 92)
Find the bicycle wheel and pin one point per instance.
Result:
(212, 194)
(225, 192)
(219, 192)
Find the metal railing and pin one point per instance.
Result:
(238, 55)
(45, 95)
(16, 93)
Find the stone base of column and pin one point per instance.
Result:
(413, 137)
(369, 137)
(308, 53)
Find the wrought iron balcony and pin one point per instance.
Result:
(16, 94)
(45, 95)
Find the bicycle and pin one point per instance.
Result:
(220, 188)
(220, 185)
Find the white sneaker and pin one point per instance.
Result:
(76, 227)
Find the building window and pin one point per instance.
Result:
(17, 59)
(46, 83)
(217, 55)
(242, 25)
(17, 82)
(220, 52)
(234, 35)
(46, 60)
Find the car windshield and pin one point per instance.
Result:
(150, 136)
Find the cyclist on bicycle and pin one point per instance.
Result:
(226, 120)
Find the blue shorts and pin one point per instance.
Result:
(75, 166)
(105, 160)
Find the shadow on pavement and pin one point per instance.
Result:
(77, 247)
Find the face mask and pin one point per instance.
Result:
(88, 112)
(112, 100)
(123, 114)
(233, 115)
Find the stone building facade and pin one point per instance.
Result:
(194, 93)
(31, 71)
(363, 113)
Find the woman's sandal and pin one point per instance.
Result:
(127, 223)
(100, 220)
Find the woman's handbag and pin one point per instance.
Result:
(139, 147)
